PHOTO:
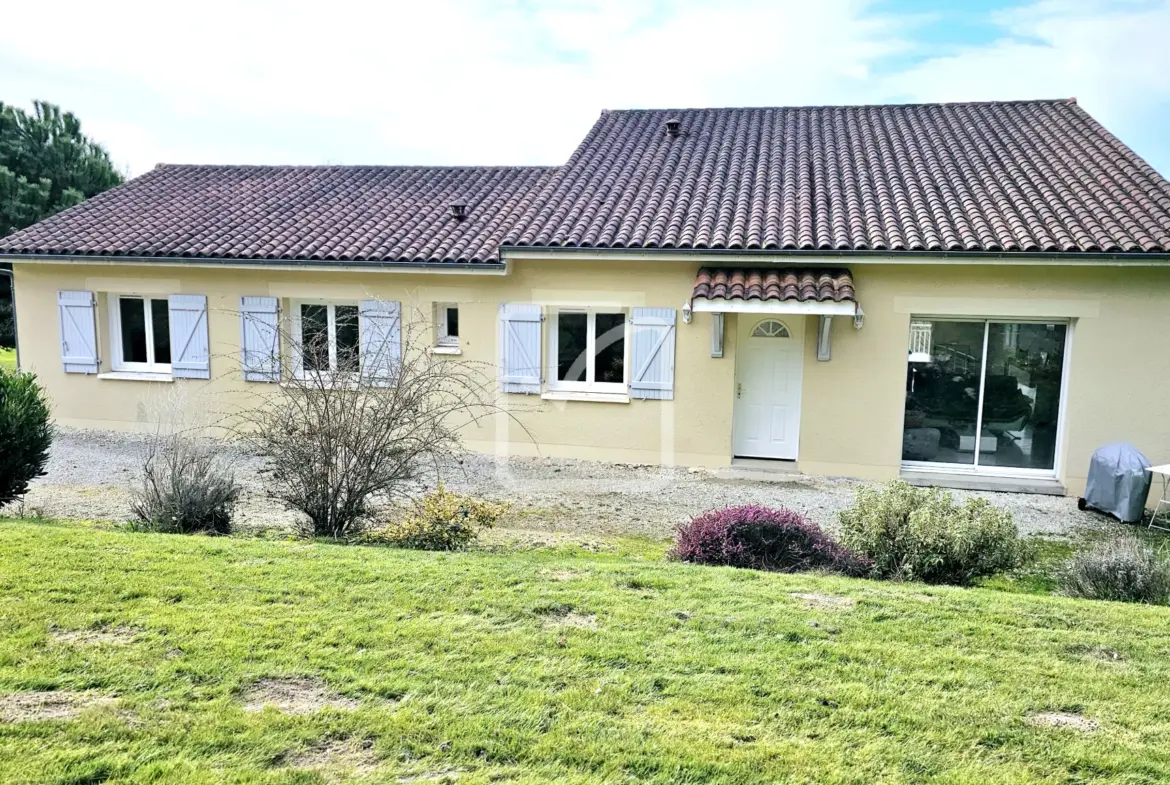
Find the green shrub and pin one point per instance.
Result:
(921, 534)
(1121, 568)
(188, 487)
(7, 324)
(441, 521)
(26, 433)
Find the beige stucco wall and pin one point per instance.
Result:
(852, 406)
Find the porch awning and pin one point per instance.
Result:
(796, 290)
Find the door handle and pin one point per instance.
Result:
(738, 389)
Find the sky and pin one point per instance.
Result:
(522, 81)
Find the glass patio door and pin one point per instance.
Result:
(984, 394)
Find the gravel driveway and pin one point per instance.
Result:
(90, 474)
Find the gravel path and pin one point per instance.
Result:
(90, 474)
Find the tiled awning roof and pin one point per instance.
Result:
(805, 285)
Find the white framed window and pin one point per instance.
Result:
(140, 333)
(447, 325)
(589, 350)
(328, 338)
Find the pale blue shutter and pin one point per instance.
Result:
(652, 354)
(520, 348)
(380, 338)
(260, 339)
(78, 312)
(190, 348)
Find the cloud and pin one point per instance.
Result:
(521, 81)
(433, 82)
(1112, 58)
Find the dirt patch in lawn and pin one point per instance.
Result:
(337, 759)
(301, 695)
(446, 776)
(584, 621)
(101, 636)
(38, 706)
(565, 575)
(826, 601)
(1063, 719)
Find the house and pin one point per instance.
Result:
(969, 294)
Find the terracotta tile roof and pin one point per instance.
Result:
(326, 213)
(1005, 176)
(989, 177)
(774, 283)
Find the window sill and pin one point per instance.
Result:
(136, 376)
(577, 395)
(446, 350)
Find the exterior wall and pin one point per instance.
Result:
(852, 406)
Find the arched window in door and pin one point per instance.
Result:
(770, 328)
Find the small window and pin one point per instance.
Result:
(140, 331)
(589, 350)
(329, 338)
(447, 325)
(770, 328)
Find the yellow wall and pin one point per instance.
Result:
(852, 406)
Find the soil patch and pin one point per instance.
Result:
(336, 759)
(53, 705)
(302, 695)
(826, 601)
(1064, 719)
(584, 621)
(102, 636)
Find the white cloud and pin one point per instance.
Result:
(515, 81)
(434, 82)
(1112, 57)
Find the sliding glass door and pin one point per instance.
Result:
(984, 394)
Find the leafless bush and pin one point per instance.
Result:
(188, 485)
(356, 421)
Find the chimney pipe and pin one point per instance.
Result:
(673, 126)
(458, 210)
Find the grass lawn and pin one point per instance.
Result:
(554, 665)
(8, 359)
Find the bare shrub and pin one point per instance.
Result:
(1120, 568)
(363, 412)
(188, 486)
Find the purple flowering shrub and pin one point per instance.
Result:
(762, 538)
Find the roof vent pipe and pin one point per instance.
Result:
(673, 126)
(458, 210)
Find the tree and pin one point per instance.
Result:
(46, 165)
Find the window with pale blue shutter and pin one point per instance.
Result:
(190, 347)
(380, 338)
(520, 348)
(260, 339)
(652, 353)
(78, 317)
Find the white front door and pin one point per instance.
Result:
(769, 355)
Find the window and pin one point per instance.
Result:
(329, 339)
(984, 394)
(140, 334)
(770, 328)
(447, 325)
(588, 350)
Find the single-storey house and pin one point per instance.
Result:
(969, 294)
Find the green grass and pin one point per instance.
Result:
(8, 359)
(460, 662)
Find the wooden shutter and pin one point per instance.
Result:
(78, 314)
(190, 347)
(520, 348)
(652, 354)
(380, 338)
(260, 339)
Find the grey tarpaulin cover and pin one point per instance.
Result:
(1118, 481)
